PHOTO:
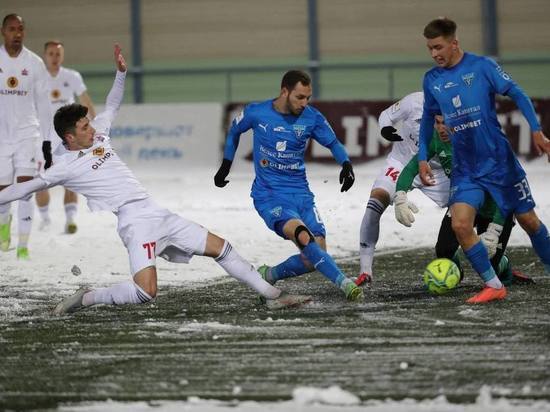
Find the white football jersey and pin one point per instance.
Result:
(64, 87)
(25, 109)
(97, 173)
(408, 111)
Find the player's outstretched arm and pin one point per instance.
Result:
(20, 190)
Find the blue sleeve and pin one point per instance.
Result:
(322, 131)
(239, 125)
(525, 105)
(338, 151)
(498, 78)
(431, 108)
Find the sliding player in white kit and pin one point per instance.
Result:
(25, 117)
(408, 111)
(65, 84)
(87, 164)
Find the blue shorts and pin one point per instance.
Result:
(516, 199)
(276, 211)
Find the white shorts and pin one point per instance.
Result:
(17, 160)
(440, 191)
(147, 231)
(387, 179)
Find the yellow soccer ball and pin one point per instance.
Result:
(441, 275)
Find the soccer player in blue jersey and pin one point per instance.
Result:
(281, 194)
(462, 88)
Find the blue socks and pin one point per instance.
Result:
(324, 264)
(478, 257)
(541, 243)
(293, 266)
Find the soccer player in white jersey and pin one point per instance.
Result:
(87, 164)
(65, 85)
(408, 111)
(25, 116)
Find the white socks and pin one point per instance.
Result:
(70, 212)
(119, 294)
(243, 271)
(369, 233)
(25, 212)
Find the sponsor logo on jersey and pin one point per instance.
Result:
(448, 85)
(276, 211)
(456, 101)
(503, 74)
(467, 125)
(264, 163)
(12, 82)
(56, 94)
(101, 160)
(263, 126)
(279, 129)
(299, 129)
(24, 72)
(281, 146)
(468, 78)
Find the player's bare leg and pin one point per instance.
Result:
(70, 202)
(370, 231)
(538, 233)
(463, 216)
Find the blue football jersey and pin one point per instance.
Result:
(465, 95)
(280, 142)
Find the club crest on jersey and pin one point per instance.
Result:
(281, 146)
(99, 151)
(12, 82)
(299, 129)
(468, 78)
(276, 211)
(264, 163)
(456, 101)
(56, 94)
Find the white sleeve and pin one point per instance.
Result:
(102, 122)
(20, 190)
(41, 96)
(396, 112)
(55, 175)
(79, 86)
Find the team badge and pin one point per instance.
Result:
(12, 82)
(281, 146)
(468, 78)
(264, 163)
(299, 129)
(276, 211)
(56, 94)
(99, 151)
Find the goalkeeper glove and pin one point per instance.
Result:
(490, 238)
(47, 153)
(223, 171)
(390, 134)
(404, 209)
(347, 177)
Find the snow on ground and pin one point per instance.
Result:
(99, 253)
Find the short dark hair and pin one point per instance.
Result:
(66, 117)
(442, 26)
(292, 77)
(11, 16)
(52, 43)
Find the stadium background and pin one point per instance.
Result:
(205, 35)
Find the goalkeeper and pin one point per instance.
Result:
(494, 230)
